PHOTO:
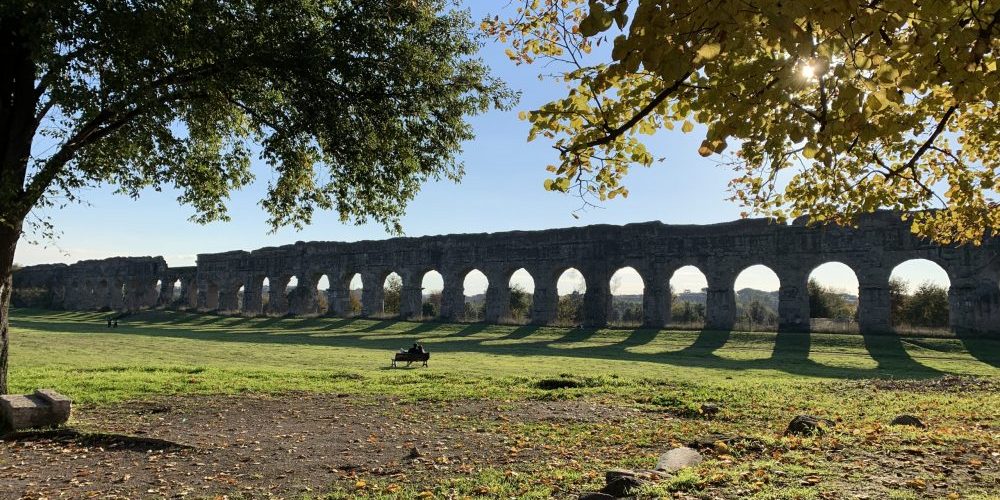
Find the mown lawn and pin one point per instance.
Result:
(761, 380)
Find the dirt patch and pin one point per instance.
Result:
(268, 445)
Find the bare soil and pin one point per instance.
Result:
(267, 445)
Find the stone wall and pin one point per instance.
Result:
(721, 251)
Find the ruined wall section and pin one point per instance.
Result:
(257, 282)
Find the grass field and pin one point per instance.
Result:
(761, 380)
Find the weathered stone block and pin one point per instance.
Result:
(44, 408)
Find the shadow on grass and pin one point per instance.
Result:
(790, 352)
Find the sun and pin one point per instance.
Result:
(808, 71)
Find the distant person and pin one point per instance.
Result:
(115, 324)
(109, 321)
(415, 349)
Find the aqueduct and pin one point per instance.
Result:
(872, 249)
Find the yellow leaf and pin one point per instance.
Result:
(687, 127)
(709, 51)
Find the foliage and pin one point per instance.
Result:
(569, 310)
(626, 313)
(685, 312)
(428, 310)
(31, 297)
(520, 302)
(926, 307)
(474, 310)
(355, 298)
(757, 314)
(391, 295)
(826, 303)
(834, 108)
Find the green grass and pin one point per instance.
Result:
(761, 379)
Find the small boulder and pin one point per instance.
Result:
(593, 495)
(613, 474)
(44, 408)
(910, 420)
(805, 425)
(709, 409)
(678, 458)
(623, 486)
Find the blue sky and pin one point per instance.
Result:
(502, 190)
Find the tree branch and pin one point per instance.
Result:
(645, 111)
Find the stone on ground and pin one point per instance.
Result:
(908, 420)
(44, 408)
(678, 458)
(804, 425)
(623, 486)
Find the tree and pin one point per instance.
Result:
(835, 108)
(392, 293)
(928, 306)
(520, 302)
(898, 301)
(569, 309)
(353, 103)
(826, 303)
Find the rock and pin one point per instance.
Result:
(414, 453)
(712, 441)
(905, 419)
(709, 409)
(593, 495)
(678, 458)
(44, 408)
(613, 474)
(808, 425)
(623, 486)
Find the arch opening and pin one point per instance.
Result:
(571, 287)
(522, 294)
(627, 292)
(757, 299)
(265, 293)
(688, 298)
(392, 290)
(240, 304)
(431, 287)
(323, 294)
(474, 295)
(918, 297)
(833, 298)
(157, 290)
(355, 291)
(176, 295)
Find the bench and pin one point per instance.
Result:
(411, 357)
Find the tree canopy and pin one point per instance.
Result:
(354, 103)
(832, 108)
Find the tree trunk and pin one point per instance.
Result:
(8, 243)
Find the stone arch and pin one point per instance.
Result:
(919, 296)
(521, 290)
(688, 288)
(571, 289)
(355, 293)
(757, 298)
(627, 289)
(833, 294)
